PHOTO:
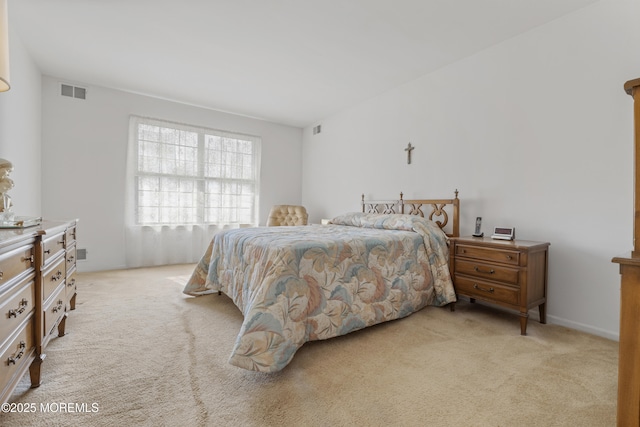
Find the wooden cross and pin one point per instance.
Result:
(409, 149)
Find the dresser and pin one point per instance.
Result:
(36, 266)
(629, 350)
(508, 273)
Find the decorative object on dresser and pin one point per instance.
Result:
(37, 289)
(629, 354)
(8, 218)
(6, 184)
(511, 274)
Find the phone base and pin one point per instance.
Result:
(478, 234)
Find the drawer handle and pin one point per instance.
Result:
(1, 274)
(71, 282)
(27, 258)
(485, 272)
(71, 258)
(56, 309)
(57, 277)
(21, 308)
(47, 251)
(509, 257)
(12, 360)
(490, 290)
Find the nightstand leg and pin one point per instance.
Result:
(543, 312)
(523, 323)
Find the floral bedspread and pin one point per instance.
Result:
(299, 284)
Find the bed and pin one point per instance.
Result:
(303, 283)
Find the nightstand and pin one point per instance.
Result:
(508, 273)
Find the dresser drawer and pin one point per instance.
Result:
(17, 352)
(488, 254)
(53, 277)
(52, 246)
(71, 285)
(487, 271)
(53, 311)
(70, 235)
(13, 263)
(71, 256)
(487, 291)
(16, 306)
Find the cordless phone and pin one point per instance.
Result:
(478, 225)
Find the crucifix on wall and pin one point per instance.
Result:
(409, 149)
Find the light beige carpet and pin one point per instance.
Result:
(139, 352)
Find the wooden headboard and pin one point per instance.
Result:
(440, 210)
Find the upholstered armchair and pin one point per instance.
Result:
(287, 215)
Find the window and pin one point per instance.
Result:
(189, 175)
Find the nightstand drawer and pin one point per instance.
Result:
(486, 290)
(487, 271)
(488, 254)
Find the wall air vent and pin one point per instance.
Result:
(73, 91)
(317, 129)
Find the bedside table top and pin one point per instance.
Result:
(504, 244)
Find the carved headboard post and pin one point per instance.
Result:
(456, 215)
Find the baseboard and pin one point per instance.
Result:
(615, 336)
(534, 314)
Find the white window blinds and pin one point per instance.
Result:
(182, 176)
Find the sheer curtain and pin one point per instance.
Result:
(184, 184)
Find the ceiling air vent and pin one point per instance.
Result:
(73, 91)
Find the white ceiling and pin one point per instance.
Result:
(287, 61)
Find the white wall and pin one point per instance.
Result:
(535, 132)
(20, 110)
(84, 148)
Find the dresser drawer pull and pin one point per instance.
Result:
(21, 308)
(1, 274)
(71, 258)
(12, 360)
(57, 277)
(58, 307)
(509, 257)
(27, 258)
(490, 290)
(47, 251)
(485, 272)
(71, 282)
